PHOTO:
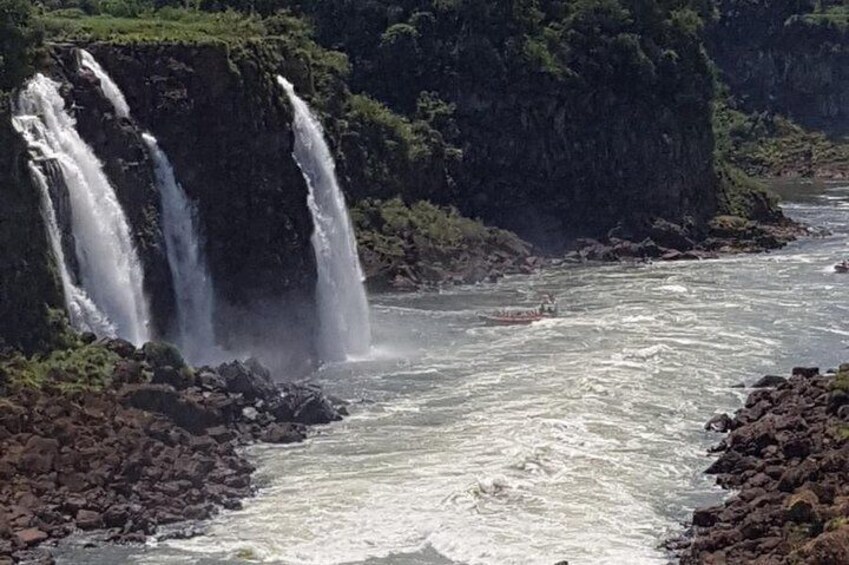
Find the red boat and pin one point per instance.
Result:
(512, 318)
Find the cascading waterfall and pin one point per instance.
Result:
(110, 272)
(192, 281)
(83, 313)
(342, 303)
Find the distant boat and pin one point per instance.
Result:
(523, 316)
(842, 267)
(511, 317)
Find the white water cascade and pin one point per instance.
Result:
(109, 268)
(192, 281)
(83, 313)
(342, 304)
(184, 248)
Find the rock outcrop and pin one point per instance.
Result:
(29, 285)
(156, 446)
(787, 458)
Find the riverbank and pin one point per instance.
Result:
(104, 436)
(423, 246)
(666, 241)
(786, 455)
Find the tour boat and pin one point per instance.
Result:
(511, 318)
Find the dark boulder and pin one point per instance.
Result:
(304, 405)
(242, 379)
(186, 412)
(769, 381)
(283, 433)
(670, 235)
(720, 423)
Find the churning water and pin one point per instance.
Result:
(577, 438)
(342, 304)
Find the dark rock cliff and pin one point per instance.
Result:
(786, 57)
(29, 285)
(226, 128)
(580, 116)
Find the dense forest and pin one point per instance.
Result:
(551, 107)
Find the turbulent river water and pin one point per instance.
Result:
(578, 438)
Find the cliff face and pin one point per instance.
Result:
(226, 129)
(567, 118)
(127, 163)
(790, 58)
(29, 286)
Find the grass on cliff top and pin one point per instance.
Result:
(85, 367)
(167, 25)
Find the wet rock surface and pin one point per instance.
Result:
(138, 454)
(787, 457)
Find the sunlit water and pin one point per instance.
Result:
(578, 438)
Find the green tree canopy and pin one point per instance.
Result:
(18, 41)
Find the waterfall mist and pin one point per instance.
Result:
(342, 303)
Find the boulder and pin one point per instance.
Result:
(30, 537)
(720, 423)
(666, 234)
(830, 548)
(283, 433)
(304, 405)
(164, 399)
(89, 520)
(161, 354)
(168, 375)
(120, 347)
(769, 381)
(242, 379)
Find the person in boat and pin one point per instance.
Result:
(548, 307)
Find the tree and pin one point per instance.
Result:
(18, 42)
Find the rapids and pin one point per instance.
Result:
(578, 438)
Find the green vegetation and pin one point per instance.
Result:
(82, 367)
(172, 25)
(387, 225)
(19, 41)
(161, 354)
(836, 523)
(772, 146)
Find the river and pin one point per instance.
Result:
(578, 438)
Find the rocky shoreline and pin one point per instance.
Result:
(157, 444)
(787, 457)
(413, 258)
(666, 241)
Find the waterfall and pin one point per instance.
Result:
(107, 85)
(110, 270)
(183, 244)
(342, 304)
(192, 282)
(82, 312)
